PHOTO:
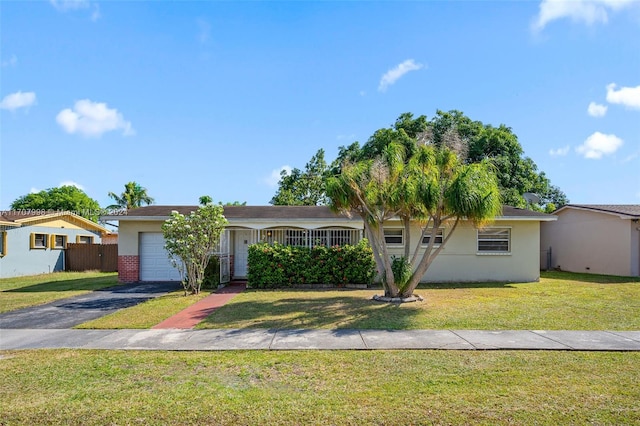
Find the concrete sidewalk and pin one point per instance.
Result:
(261, 339)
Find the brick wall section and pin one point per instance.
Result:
(128, 269)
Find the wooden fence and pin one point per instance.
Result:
(85, 257)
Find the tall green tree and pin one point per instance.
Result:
(421, 183)
(63, 198)
(303, 188)
(516, 173)
(134, 196)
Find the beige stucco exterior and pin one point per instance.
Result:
(460, 260)
(128, 235)
(594, 242)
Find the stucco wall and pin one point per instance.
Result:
(128, 235)
(22, 260)
(460, 261)
(592, 242)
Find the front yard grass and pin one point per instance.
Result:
(147, 314)
(21, 292)
(319, 387)
(559, 301)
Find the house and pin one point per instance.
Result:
(508, 250)
(33, 242)
(594, 238)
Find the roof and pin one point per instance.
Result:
(287, 213)
(27, 217)
(236, 212)
(625, 211)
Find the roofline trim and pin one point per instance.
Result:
(597, 210)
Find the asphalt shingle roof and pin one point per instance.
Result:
(625, 209)
(285, 212)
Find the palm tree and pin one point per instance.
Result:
(134, 196)
(433, 187)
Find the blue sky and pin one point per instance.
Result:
(195, 98)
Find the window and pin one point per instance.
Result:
(393, 236)
(58, 241)
(439, 237)
(38, 241)
(3, 243)
(494, 240)
(84, 239)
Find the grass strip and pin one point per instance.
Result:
(22, 292)
(319, 387)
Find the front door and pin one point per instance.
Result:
(241, 253)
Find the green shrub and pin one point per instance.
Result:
(401, 270)
(212, 273)
(277, 266)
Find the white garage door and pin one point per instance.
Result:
(154, 262)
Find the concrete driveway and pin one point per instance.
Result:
(67, 313)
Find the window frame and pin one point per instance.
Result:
(480, 251)
(34, 238)
(394, 244)
(54, 241)
(80, 237)
(3, 243)
(439, 235)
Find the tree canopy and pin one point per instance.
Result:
(303, 188)
(134, 196)
(63, 198)
(473, 141)
(394, 175)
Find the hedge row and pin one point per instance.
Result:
(278, 266)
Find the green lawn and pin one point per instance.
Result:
(20, 292)
(147, 314)
(319, 387)
(559, 301)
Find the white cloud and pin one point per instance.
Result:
(11, 62)
(596, 110)
(95, 15)
(18, 100)
(560, 152)
(586, 11)
(629, 157)
(204, 31)
(348, 137)
(70, 4)
(627, 96)
(71, 183)
(34, 190)
(391, 76)
(92, 119)
(273, 179)
(599, 144)
(73, 5)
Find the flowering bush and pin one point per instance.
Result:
(190, 240)
(276, 266)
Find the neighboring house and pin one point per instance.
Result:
(507, 250)
(34, 243)
(594, 238)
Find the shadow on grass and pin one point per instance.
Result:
(588, 278)
(454, 285)
(94, 283)
(343, 312)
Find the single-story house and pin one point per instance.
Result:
(33, 242)
(507, 250)
(594, 238)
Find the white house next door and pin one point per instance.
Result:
(241, 253)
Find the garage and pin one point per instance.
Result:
(154, 261)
